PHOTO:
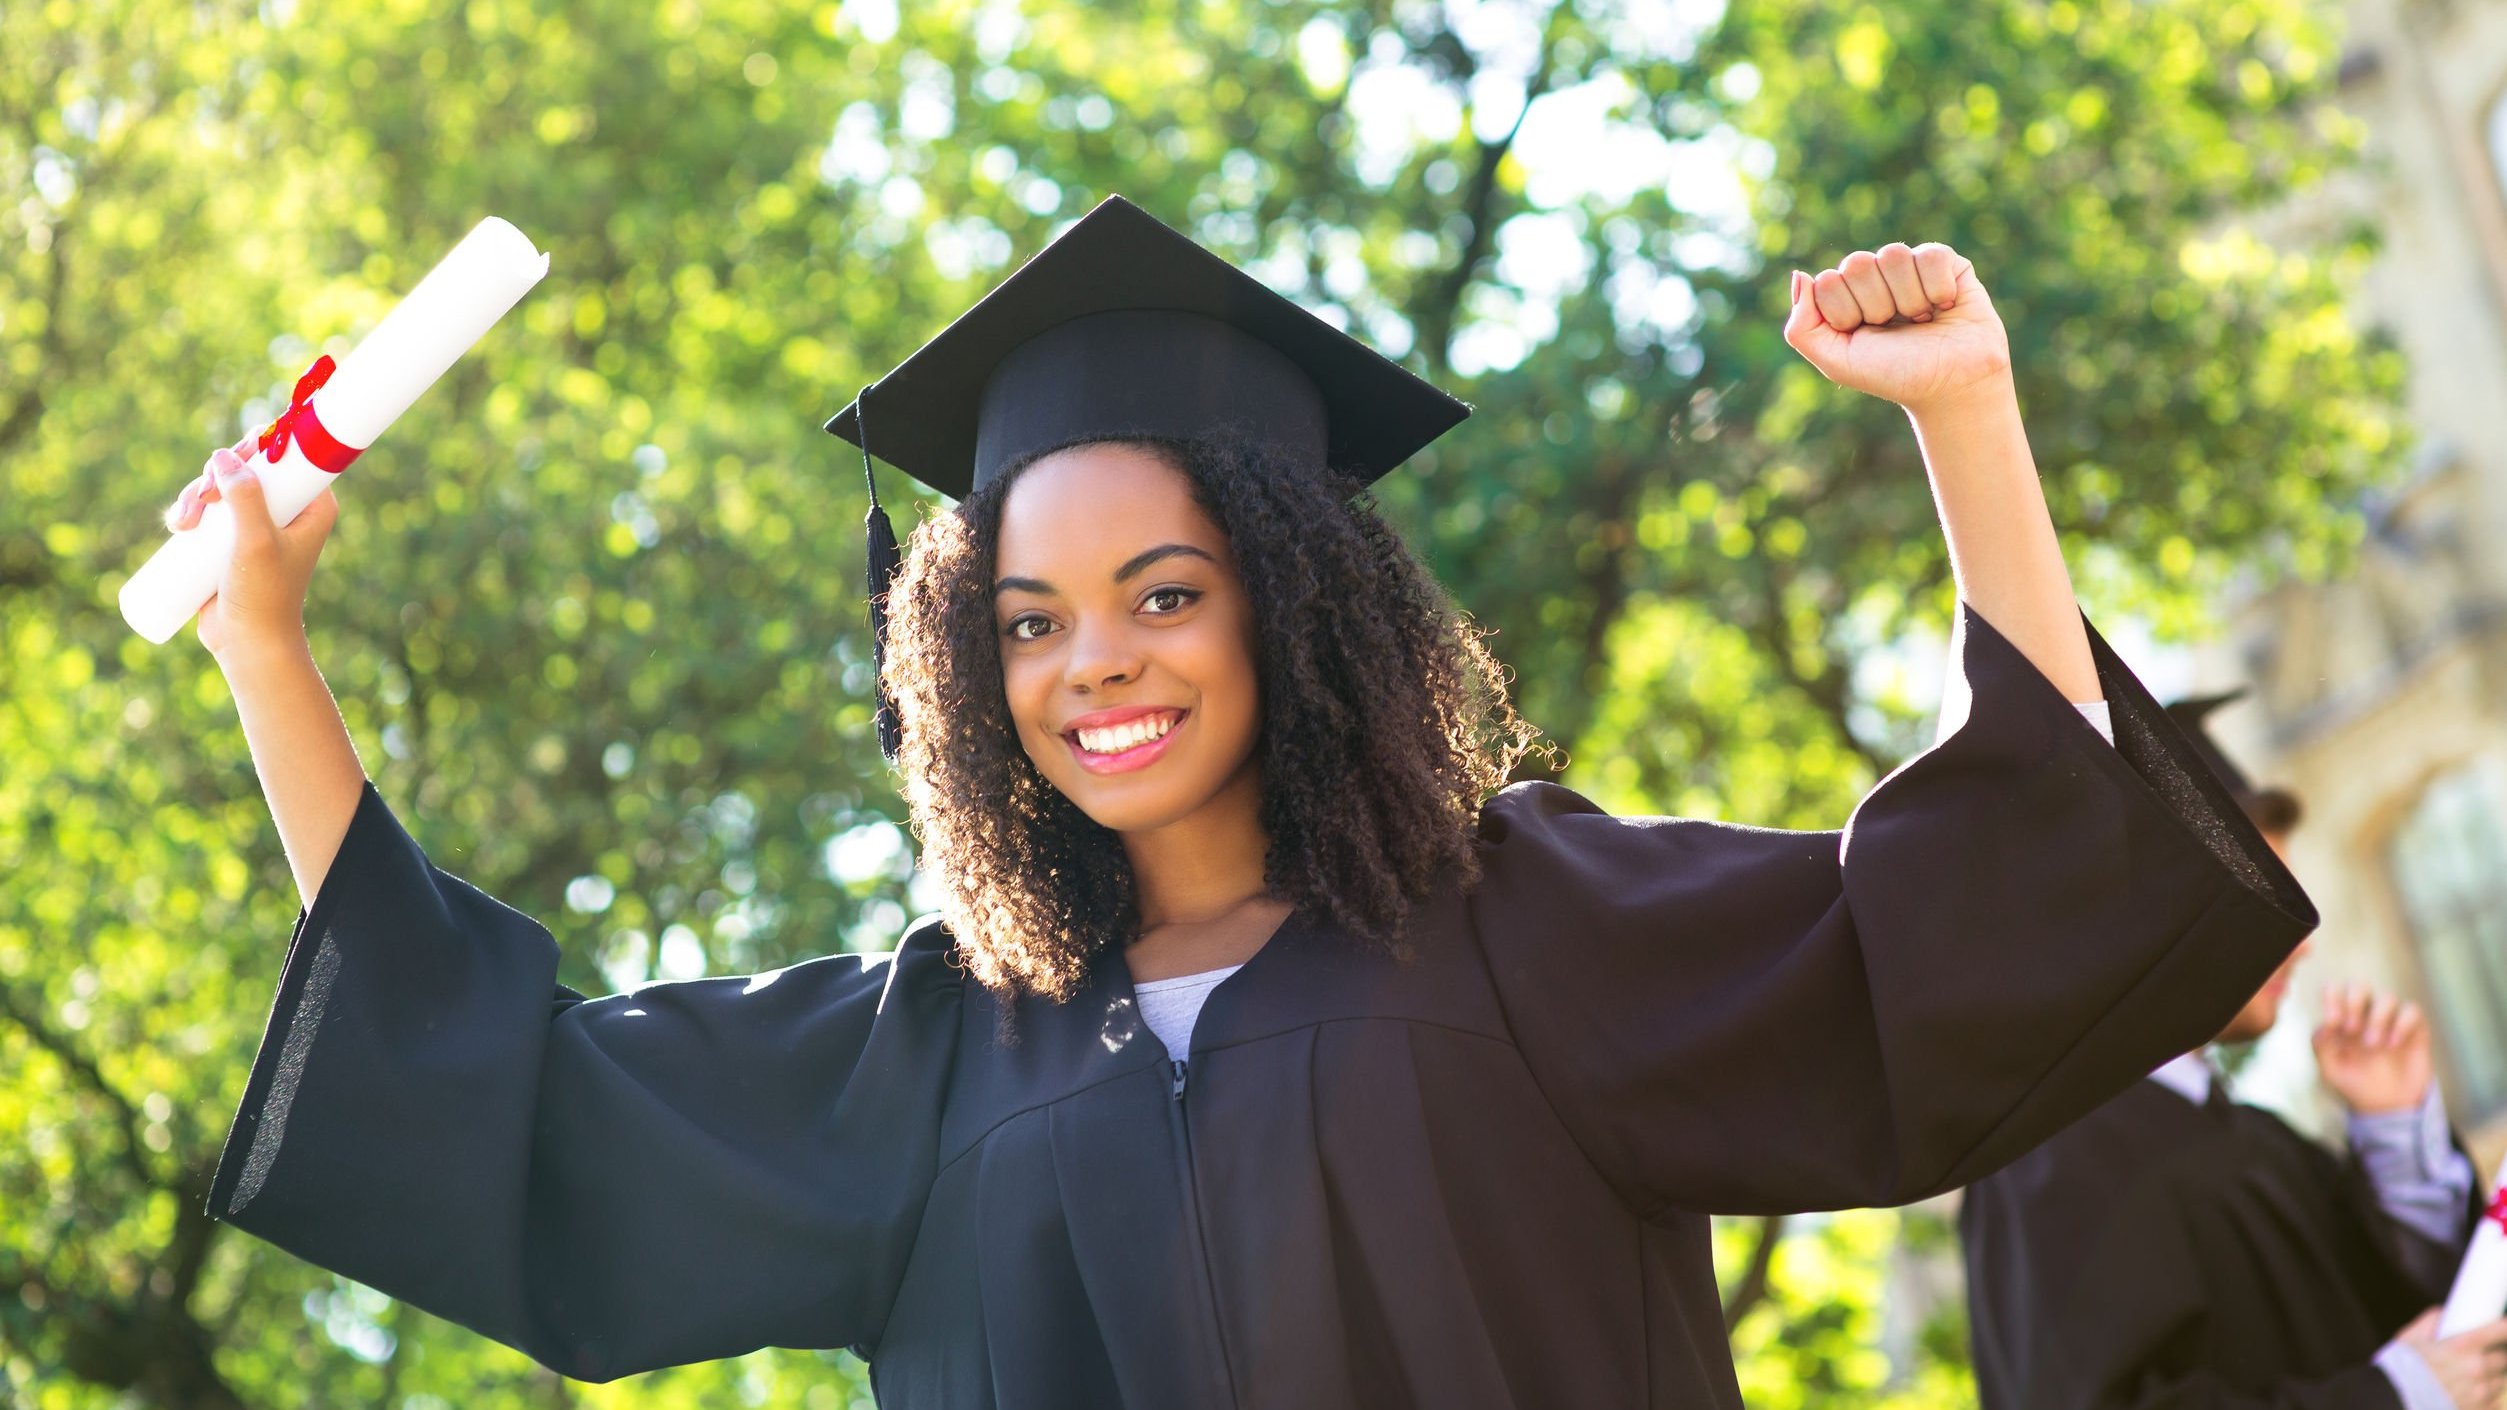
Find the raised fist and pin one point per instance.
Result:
(1911, 325)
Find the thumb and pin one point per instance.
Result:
(1971, 290)
(312, 524)
(1805, 331)
(240, 487)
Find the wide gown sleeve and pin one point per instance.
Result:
(680, 1173)
(2011, 928)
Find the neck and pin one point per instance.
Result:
(1203, 865)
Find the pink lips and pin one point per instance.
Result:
(1139, 756)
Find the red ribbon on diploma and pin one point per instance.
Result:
(299, 424)
(2497, 1212)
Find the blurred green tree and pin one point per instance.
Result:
(593, 611)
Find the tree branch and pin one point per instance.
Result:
(15, 1008)
(27, 408)
(1753, 1287)
(187, 1251)
(1828, 688)
(1442, 307)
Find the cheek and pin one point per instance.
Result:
(1232, 682)
(1027, 687)
(2261, 1012)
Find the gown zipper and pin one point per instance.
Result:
(1194, 1229)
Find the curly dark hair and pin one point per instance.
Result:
(1385, 724)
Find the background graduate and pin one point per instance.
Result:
(2178, 1249)
(1265, 1053)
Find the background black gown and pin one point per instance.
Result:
(1475, 1177)
(2164, 1254)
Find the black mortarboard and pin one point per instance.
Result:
(1123, 327)
(2272, 809)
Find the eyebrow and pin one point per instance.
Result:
(1132, 568)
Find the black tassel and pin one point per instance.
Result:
(882, 561)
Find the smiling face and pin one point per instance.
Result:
(1127, 640)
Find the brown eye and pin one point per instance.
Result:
(1027, 628)
(1169, 599)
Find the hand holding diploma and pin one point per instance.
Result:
(2480, 1292)
(261, 595)
(248, 532)
(2465, 1363)
(335, 413)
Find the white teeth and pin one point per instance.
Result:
(1114, 739)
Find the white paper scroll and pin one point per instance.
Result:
(449, 311)
(2480, 1291)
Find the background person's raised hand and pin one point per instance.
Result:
(1909, 324)
(2372, 1049)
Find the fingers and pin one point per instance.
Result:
(1895, 283)
(2344, 1007)
(240, 487)
(2379, 1025)
(1871, 292)
(1837, 305)
(1940, 268)
(2410, 1026)
(185, 510)
(1906, 288)
(2334, 1005)
(1806, 327)
(202, 492)
(2357, 1014)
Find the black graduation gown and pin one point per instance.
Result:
(2164, 1254)
(1475, 1177)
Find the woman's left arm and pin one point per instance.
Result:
(1915, 326)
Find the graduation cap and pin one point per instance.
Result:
(1124, 328)
(2272, 809)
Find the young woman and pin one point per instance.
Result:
(1261, 1057)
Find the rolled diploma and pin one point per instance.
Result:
(2480, 1291)
(423, 336)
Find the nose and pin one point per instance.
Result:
(1101, 656)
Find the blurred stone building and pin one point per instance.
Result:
(2382, 698)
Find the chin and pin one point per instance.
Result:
(2249, 1026)
(1140, 813)
(1143, 802)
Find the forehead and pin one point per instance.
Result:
(1078, 514)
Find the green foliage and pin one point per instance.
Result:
(593, 613)
(1854, 1316)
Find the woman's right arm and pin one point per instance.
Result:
(255, 628)
(682, 1174)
